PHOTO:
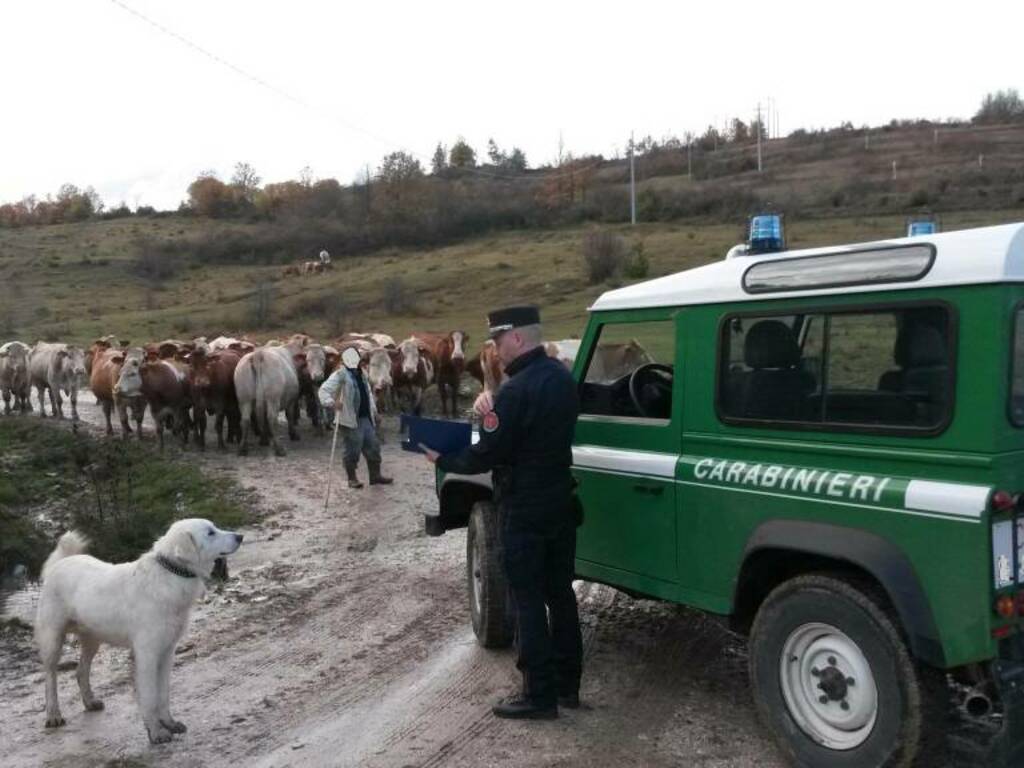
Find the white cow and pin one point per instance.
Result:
(266, 382)
(14, 376)
(59, 368)
(564, 351)
(378, 374)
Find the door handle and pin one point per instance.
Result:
(653, 490)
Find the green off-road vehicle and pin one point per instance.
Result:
(826, 446)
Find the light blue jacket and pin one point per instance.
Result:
(341, 387)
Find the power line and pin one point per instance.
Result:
(330, 116)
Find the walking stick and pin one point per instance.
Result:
(330, 465)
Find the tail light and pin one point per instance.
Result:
(1002, 501)
(1006, 606)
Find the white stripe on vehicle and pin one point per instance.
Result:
(817, 500)
(629, 462)
(949, 498)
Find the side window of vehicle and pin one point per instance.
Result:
(1017, 382)
(771, 367)
(885, 368)
(630, 372)
(890, 368)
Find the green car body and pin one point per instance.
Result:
(710, 507)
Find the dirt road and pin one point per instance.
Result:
(343, 639)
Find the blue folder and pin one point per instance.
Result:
(437, 434)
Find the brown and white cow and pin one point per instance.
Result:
(267, 382)
(212, 387)
(59, 368)
(103, 378)
(164, 385)
(448, 352)
(375, 338)
(110, 341)
(169, 349)
(14, 376)
(241, 346)
(412, 373)
(486, 367)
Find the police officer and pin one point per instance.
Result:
(526, 440)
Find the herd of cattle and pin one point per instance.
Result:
(245, 385)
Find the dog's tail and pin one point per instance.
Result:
(71, 543)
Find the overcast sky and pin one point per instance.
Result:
(94, 95)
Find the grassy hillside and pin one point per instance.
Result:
(75, 282)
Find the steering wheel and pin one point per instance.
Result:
(653, 374)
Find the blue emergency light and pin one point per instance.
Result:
(922, 227)
(766, 233)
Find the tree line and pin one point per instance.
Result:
(401, 202)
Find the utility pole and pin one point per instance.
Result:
(689, 158)
(759, 137)
(632, 182)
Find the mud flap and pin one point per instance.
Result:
(1007, 750)
(434, 525)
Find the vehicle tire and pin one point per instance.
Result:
(485, 578)
(832, 678)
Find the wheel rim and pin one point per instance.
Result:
(476, 573)
(828, 686)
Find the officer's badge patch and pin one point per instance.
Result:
(490, 422)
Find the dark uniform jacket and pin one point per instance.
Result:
(527, 442)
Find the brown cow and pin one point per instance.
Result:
(164, 385)
(290, 270)
(110, 341)
(212, 385)
(106, 370)
(449, 354)
(492, 372)
(333, 360)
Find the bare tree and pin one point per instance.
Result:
(245, 181)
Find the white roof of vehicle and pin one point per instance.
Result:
(967, 257)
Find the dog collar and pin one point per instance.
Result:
(177, 570)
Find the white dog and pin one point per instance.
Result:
(143, 605)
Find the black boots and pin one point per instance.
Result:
(521, 708)
(353, 481)
(376, 478)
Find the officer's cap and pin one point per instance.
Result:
(501, 320)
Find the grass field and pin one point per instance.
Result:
(74, 282)
(121, 495)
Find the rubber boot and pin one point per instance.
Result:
(353, 481)
(376, 478)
